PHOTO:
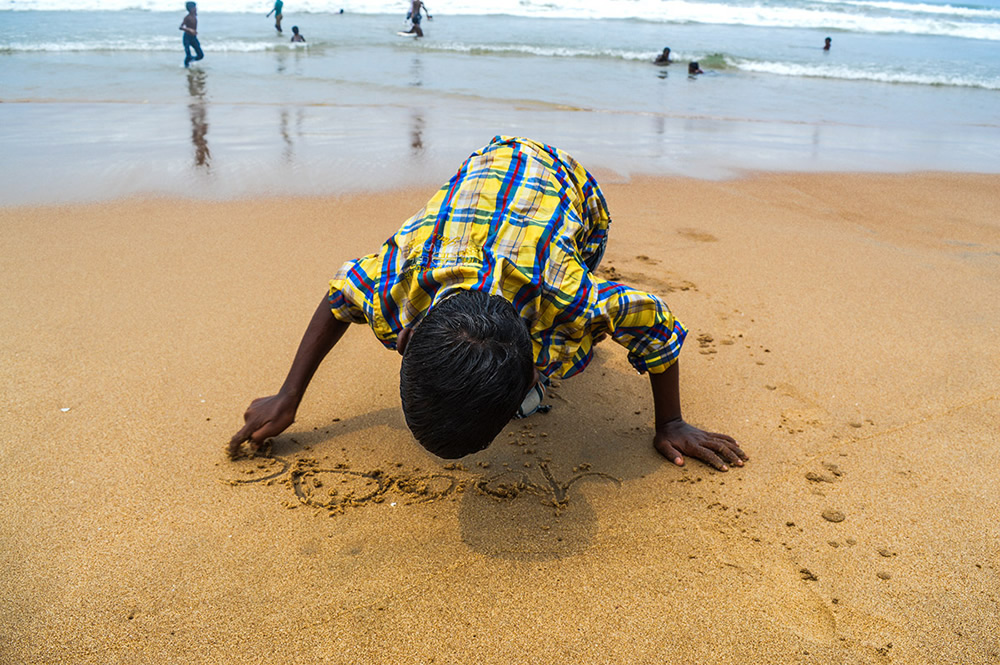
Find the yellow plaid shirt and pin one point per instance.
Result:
(523, 220)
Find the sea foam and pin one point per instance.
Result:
(860, 74)
(864, 16)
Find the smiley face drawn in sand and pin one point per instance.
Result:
(339, 488)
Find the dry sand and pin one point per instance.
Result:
(844, 328)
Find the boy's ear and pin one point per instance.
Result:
(402, 338)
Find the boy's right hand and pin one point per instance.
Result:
(266, 417)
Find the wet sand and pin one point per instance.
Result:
(843, 328)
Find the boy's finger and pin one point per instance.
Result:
(724, 437)
(245, 434)
(241, 436)
(735, 447)
(728, 454)
(730, 444)
(266, 431)
(708, 457)
(234, 447)
(670, 453)
(739, 451)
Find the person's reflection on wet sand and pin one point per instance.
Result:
(289, 130)
(416, 72)
(285, 136)
(417, 133)
(199, 124)
(417, 117)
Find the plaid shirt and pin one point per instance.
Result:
(519, 219)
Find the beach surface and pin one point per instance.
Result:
(842, 327)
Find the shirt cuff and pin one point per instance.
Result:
(661, 360)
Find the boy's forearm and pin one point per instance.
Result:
(322, 334)
(666, 394)
(675, 438)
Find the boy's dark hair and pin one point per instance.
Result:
(466, 368)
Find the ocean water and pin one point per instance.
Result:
(95, 102)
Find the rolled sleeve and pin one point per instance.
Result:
(351, 289)
(644, 325)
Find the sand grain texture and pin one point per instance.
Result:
(843, 327)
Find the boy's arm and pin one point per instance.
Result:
(270, 416)
(643, 324)
(675, 438)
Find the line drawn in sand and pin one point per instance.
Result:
(339, 488)
(552, 491)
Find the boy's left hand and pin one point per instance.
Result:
(676, 438)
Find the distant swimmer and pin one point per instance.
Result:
(828, 44)
(296, 36)
(414, 16)
(663, 58)
(278, 4)
(190, 28)
(694, 69)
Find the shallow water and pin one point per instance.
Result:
(97, 104)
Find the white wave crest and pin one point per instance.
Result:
(918, 18)
(858, 74)
(920, 8)
(542, 51)
(155, 44)
(684, 11)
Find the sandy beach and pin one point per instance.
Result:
(842, 327)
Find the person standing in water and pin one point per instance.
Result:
(296, 35)
(189, 26)
(278, 4)
(414, 16)
(827, 44)
(663, 58)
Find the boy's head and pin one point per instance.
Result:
(295, 29)
(466, 367)
(190, 6)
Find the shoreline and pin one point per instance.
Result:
(842, 327)
(424, 186)
(212, 150)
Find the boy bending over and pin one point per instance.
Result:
(487, 293)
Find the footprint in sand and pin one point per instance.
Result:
(808, 415)
(696, 235)
(661, 282)
(707, 343)
(794, 602)
(797, 421)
